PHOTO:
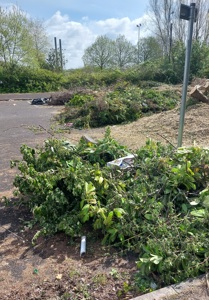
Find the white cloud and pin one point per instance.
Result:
(77, 36)
(78, 23)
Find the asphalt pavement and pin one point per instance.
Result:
(20, 123)
(23, 96)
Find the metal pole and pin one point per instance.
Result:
(61, 61)
(138, 26)
(186, 73)
(170, 46)
(56, 56)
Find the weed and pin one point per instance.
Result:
(114, 273)
(100, 279)
(74, 274)
(124, 290)
(83, 290)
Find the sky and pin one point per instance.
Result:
(79, 22)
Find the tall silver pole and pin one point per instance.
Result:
(60, 47)
(56, 55)
(170, 42)
(186, 73)
(138, 26)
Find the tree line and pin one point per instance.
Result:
(120, 53)
(24, 42)
(166, 43)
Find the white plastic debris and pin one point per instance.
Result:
(122, 162)
(83, 245)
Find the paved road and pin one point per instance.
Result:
(25, 96)
(18, 119)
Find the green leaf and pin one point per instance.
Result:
(112, 232)
(101, 212)
(149, 217)
(206, 190)
(86, 207)
(119, 212)
(155, 259)
(89, 187)
(198, 213)
(108, 220)
(206, 201)
(184, 208)
(85, 217)
(100, 179)
(183, 150)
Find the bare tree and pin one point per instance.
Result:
(201, 27)
(165, 15)
(160, 13)
(201, 31)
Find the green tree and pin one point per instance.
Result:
(13, 35)
(199, 59)
(150, 49)
(125, 52)
(22, 40)
(100, 53)
(40, 44)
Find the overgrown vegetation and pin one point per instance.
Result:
(30, 64)
(125, 103)
(157, 207)
(24, 80)
(18, 78)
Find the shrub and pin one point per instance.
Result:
(157, 207)
(124, 104)
(24, 79)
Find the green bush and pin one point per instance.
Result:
(23, 79)
(157, 207)
(90, 78)
(79, 100)
(17, 78)
(124, 104)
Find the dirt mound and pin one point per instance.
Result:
(159, 127)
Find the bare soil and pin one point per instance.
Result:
(53, 268)
(161, 127)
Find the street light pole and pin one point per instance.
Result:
(170, 34)
(138, 26)
(56, 53)
(61, 58)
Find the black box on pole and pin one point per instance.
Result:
(185, 12)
